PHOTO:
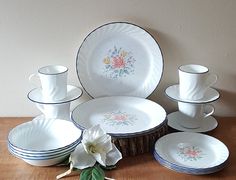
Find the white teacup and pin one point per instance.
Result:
(194, 80)
(196, 113)
(55, 111)
(53, 80)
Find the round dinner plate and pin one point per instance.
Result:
(120, 116)
(119, 58)
(175, 120)
(173, 93)
(191, 153)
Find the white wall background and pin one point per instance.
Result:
(43, 32)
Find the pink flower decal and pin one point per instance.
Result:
(118, 63)
(189, 153)
(119, 118)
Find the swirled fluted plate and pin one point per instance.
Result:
(191, 153)
(120, 116)
(119, 58)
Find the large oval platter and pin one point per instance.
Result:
(119, 58)
(120, 116)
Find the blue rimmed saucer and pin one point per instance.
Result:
(173, 93)
(73, 93)
(175, 120)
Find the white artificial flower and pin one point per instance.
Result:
(95, 146)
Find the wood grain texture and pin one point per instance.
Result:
(129, 168)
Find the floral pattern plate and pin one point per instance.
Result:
(119, 58)
(120, 116)
(191, 153)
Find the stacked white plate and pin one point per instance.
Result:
(120, 116)
(191, 153)
(43, 142)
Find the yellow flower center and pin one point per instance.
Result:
(91, 148)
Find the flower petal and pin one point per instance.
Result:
(93, 133)
(103, 144)
(113, 156)
(80, 159)
(101, 158)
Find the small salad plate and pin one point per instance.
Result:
(191, 153)
(119, 59)
(173, 93)
(175, 120)
(120, 116)
(73, 93)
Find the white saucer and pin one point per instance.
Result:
(173, 93)
(174, 121)
(73, 93)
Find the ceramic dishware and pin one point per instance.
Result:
(119, 59)
(120, 116)
(53, 80)
(40, 135)
(175, 121)
(43, 142)
(55, 111)
(196, 113)
(173, 93)
(194, 80)
(191, 153)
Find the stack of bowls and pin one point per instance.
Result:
(43, 142)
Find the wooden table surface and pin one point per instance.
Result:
(138, 167)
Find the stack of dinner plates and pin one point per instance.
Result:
(43, 142)
(120, 116)
(191, 153)
(120, 64)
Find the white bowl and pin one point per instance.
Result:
(44, 136)
(40, 155)
(44, 161)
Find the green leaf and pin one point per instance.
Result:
(92, 173)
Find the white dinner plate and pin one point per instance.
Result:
(73, 93)
(192, 153)
(119, 58)
(120, 116)
(173, 93)
(175, 120)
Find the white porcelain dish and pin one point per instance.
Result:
(120, 116)
(43, 136)
(119, 58)
(42, 162)
(173, 93)
(175, 118)
(41, 155)
(191, 153)
(73, 93)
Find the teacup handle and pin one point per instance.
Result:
(208, 110)
(212, 78)
(34, 77)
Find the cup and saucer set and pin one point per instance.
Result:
(193, 95)
(54, 96)
(190, 151)
(43, 141)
